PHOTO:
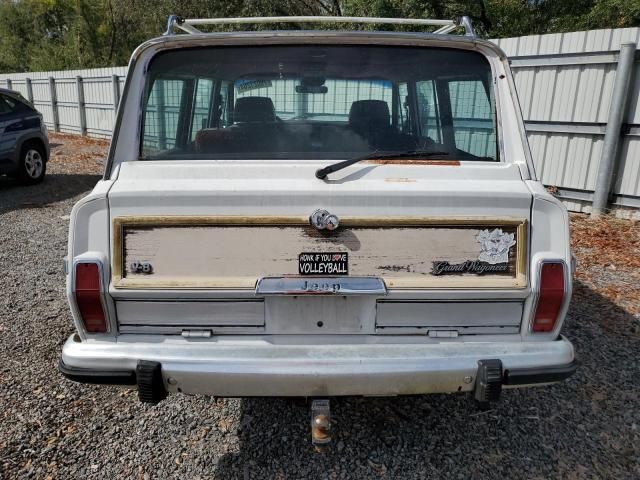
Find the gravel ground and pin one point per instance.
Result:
(586, 427)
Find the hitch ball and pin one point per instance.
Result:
(320, 423)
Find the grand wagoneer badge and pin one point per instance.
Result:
(493, 258)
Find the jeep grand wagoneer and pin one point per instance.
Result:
(319, 213)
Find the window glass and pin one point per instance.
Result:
(17, 103)
(473, 117)
(402, 122)
(333, 105)
(161, 114)
(12, 103)
(428, 112)
(225, 111)
(4, 106)
(316, 102)
(201, 105)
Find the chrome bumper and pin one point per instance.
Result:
(239, 367)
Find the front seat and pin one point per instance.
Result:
(370, 119)
(253, 110)
(256, 125)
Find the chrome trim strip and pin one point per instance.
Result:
(321, 286)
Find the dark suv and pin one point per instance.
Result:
(24, 144)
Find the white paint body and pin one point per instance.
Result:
(272, 345)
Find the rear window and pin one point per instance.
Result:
(318, 102)
(17, 103)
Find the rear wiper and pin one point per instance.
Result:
(322, 173)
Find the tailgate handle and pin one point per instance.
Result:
(321, 286)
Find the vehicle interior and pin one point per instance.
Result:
(319, 102)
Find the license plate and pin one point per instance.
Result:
(314, 263)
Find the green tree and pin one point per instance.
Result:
(63, 34)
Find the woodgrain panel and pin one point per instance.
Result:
(213, 253)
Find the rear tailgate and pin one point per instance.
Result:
(449, 242)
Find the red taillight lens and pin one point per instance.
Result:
(551, 297)
(88, 297)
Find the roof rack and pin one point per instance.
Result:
(445, 26)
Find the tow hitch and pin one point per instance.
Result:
(320, 424)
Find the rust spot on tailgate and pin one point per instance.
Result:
(405, 161)
(400, 180)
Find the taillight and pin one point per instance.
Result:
(88, 297)
(552, 292)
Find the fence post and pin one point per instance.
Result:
(82, 113)
(115, 82)
(617, 110)
(301, 104)
(54, 104)
(29, 90)
(9, 84)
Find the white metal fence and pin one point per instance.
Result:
(73, 101)
(565, 85)
(564, 82)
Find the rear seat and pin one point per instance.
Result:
(370, 120)
(257, 128)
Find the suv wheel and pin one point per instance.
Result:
(33, 164)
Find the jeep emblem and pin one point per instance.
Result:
(323, 220)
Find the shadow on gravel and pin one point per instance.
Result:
(586, 426)
(54, 188)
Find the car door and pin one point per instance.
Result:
(17, 121)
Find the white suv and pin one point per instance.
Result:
(319, 213)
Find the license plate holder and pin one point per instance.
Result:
(323, 263)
